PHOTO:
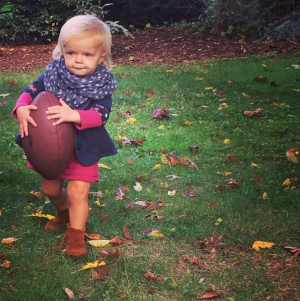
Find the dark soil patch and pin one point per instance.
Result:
(152, 46)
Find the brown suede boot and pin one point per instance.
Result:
(74, 241)
(59, 222)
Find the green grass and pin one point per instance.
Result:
(241, 216)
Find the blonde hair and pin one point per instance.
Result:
(82, 26)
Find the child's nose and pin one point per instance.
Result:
(78, 59)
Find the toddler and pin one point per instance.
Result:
(79, 76)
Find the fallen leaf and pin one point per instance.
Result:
(160, 113)
(291, 154)
(125, 233)
(116, 241)
(138, 187)
(36, 193)
(99, 242)
(40, 214)
(155, 233)
(97, 202)
(208, 295)
(93, 236)
(172, 177)
(103, 166)
(172, 192)
(90, 265)
(99, 272)
(151, 276)
(255, 112)
(131, 120)
(261, 244)
(6, 264)
(157, 166)
(9, 240)
(69, 293)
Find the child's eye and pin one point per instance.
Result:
(70, 52)
(88, 54)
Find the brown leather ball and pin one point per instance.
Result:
(48, 148)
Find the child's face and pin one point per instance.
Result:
(82, 55)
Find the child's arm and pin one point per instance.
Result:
(23, 106)
(97, 115)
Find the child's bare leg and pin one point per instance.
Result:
(53, 189)
(78, 192)
(57, 195)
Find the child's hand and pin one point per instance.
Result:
(23, 115)
(63, 113)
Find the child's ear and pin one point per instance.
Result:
(102, 58)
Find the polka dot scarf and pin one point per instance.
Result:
(78, 92)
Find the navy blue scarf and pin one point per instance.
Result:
(78, 92)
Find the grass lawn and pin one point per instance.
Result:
(218, 174)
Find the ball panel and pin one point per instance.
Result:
(47, 147)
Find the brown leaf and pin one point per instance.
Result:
(93, 236)
(208, 295)
(116, 241)
(69, 293)
(255, 112)
(151, 276)
(125, 233)
(99, 272)
(194, 148)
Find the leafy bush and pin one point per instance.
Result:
(40, 21)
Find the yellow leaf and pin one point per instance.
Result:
(264, 65)
(98, 203)
(245, 95)
(99, 242)
(199, 78)
(161, 127)
(90, 265)
(40, 214)
(265, 195)
(208, 88)
(188, 122)
(103, 166)
(261, 244)
(156, 233)
(131, 120)
(255, 165)
(164, 159)
(227, 141)
(175, 85)
(223, 106)
(157, 166)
